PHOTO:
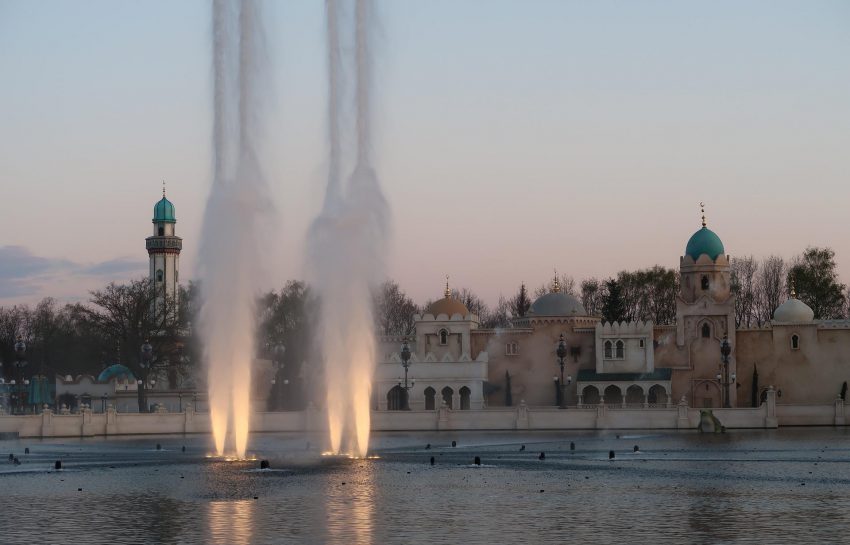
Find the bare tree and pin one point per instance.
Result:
(744, 270)
(394, 310)
(592, 295)
(770, 288)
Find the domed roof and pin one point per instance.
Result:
(793, 311)
(706, 242)
(163, 211)
(557, 304)
(115, 371)
(448, 306)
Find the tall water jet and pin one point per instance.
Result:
(347, 241)
(230, 257)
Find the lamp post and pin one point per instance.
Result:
(405, 362)
(147, 358)
(725, 379)
(278, 352)
(561, 352)
(20, 363)
(103, 403)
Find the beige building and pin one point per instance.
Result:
(642, 364)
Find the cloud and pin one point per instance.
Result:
(24, 274)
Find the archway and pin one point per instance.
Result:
(430, 395)
(590, 395)
(634, 395)
(395, 398)
(707, 394)
(657, 395)
(613, 395)
(465, 393)
(448, 394)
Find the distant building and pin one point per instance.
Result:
(627, 364)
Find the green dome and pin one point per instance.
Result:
(163, 211)
(706, 242)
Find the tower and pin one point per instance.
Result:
(705, 316)
(164, 252)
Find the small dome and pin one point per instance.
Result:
(448, 306)
(163, 211)
(115, 371)
(557, 304)
(706, 242)
(793, 311)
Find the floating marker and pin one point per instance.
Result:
(542, 456)
(478, 460)
(454, 443)
(428, 446)
(610, 454)
(572, 446)
(636, 448)
(264, 464)
(57, 464)
(432, 460)
(27, 450)
(158, 446)
(522, 448)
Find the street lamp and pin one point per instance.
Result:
(147, 359)
(405, 362)
(561, 352)
(103, 403)
(20, 363)
(725, 379)
(278, 352)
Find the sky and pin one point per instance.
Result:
(512, 137)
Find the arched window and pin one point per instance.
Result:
(795, 342)
(448, 393)
(465, 394)
(430, 394)
(608, 350)
(621, 350)
(159, 275)
(706, 331)
(396, 399)
(444, 337)
(161, 230)
(704, 282)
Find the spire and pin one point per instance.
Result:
(163, 189)
(448, 292)
(702, 210)
(556, 284)
(793, 288)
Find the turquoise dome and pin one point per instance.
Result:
(706, 242)
(115, 370)
(163, 211)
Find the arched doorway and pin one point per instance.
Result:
(395, 398)
(707, 394)
(448, 394)
(465, 393)
(590, 395)
(613, 395)
(634, 396)
(658, 395)
(430, 394)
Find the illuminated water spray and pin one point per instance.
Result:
(230, 255)
(347, 240)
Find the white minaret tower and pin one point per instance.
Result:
(164, 252)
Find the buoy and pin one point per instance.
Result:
(477, 460)
(522, 448)
(542, 456)
(454, 443)
(432, 460)
(57, 464)
(11, 457)
(428, 446)
(264, 464)
(184, 448)
(610, 454)
(27, 450)
(158, 446)
(636, 448)
(572, 446)
(17, 462)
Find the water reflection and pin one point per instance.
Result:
(231, 522)
(350, 504)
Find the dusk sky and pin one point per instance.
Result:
(512, 137)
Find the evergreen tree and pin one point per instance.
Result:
(521, 303)
(613, 305)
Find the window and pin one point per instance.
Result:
(706, 331)
(607, 350)
(642, 343)
(795, 342)
(444, 337)
(161, 230)
(159, 275)
(704, 282)
(512, 349)
(621, 350)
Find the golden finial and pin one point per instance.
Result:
(448, 292)
(793, 289)
(702, 210)
(556, 284)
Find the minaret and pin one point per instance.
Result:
(164, 252)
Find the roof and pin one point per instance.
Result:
(115, 371)
(704, 241)
(793, 311)
(557, 304)
(590, 375)
(163, 211)
(448, 306)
